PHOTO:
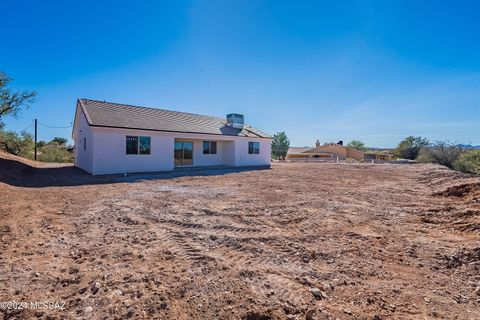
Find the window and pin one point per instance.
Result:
(138, 145)
(132, 145)
(84, 144)
(253, 147)
(209, 147)
(144, 145)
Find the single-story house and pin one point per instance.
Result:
(331, 151)
(378, 157)
(119, 138)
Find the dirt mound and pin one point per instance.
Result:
(5, 157)
(21, 172)
(15, 170)
(445, 182)
(468, 191)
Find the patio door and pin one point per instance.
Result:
(183, 154)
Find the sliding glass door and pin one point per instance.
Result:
(183, 154)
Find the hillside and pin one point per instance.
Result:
(18, 171)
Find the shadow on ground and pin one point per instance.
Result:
(19, 174)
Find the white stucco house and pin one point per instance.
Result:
(119, 138)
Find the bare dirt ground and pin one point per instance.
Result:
(298, 241)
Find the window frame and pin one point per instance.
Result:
(253, 147)
(210, 149)
(138, 139)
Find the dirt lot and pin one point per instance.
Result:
(298, 241)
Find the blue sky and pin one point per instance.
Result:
(330, 70)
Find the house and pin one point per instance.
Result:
(119, 138)
(331, 151)
(378, 157)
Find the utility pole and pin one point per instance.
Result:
(35, 139)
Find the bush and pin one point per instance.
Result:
(424, 156)
(468, 162)
(444, 153)
(23, 145)
(410, 147)
(52, 153)
(17, 144)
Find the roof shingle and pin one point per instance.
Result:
(116, 115)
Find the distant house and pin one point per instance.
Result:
(331, 151)
(118, 138)
(378, 157)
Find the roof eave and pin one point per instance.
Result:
(172, 131)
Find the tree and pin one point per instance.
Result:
(280, 145)
(410, 147)
(357, 145)
(12, 102)
(59, 141)
(16, 144)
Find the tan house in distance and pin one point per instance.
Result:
(332, 151)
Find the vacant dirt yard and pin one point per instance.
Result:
(298, 241)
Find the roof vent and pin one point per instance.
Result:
(235, 120)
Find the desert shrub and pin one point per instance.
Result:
(54, 153)
(410, 147)
(23, 145)
(468, 162)
(424, 156)
(17, 144)
(441, 152)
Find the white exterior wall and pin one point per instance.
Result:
(109, 152)
(83, 156)
(106, 150)
(229, 153)
(200, 159)
(243, 158)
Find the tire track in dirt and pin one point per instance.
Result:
(254, 245)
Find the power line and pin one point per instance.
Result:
(54, 127)
(28, 127)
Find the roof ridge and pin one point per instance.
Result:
(151, 108)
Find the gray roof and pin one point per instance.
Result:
(116, 115)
